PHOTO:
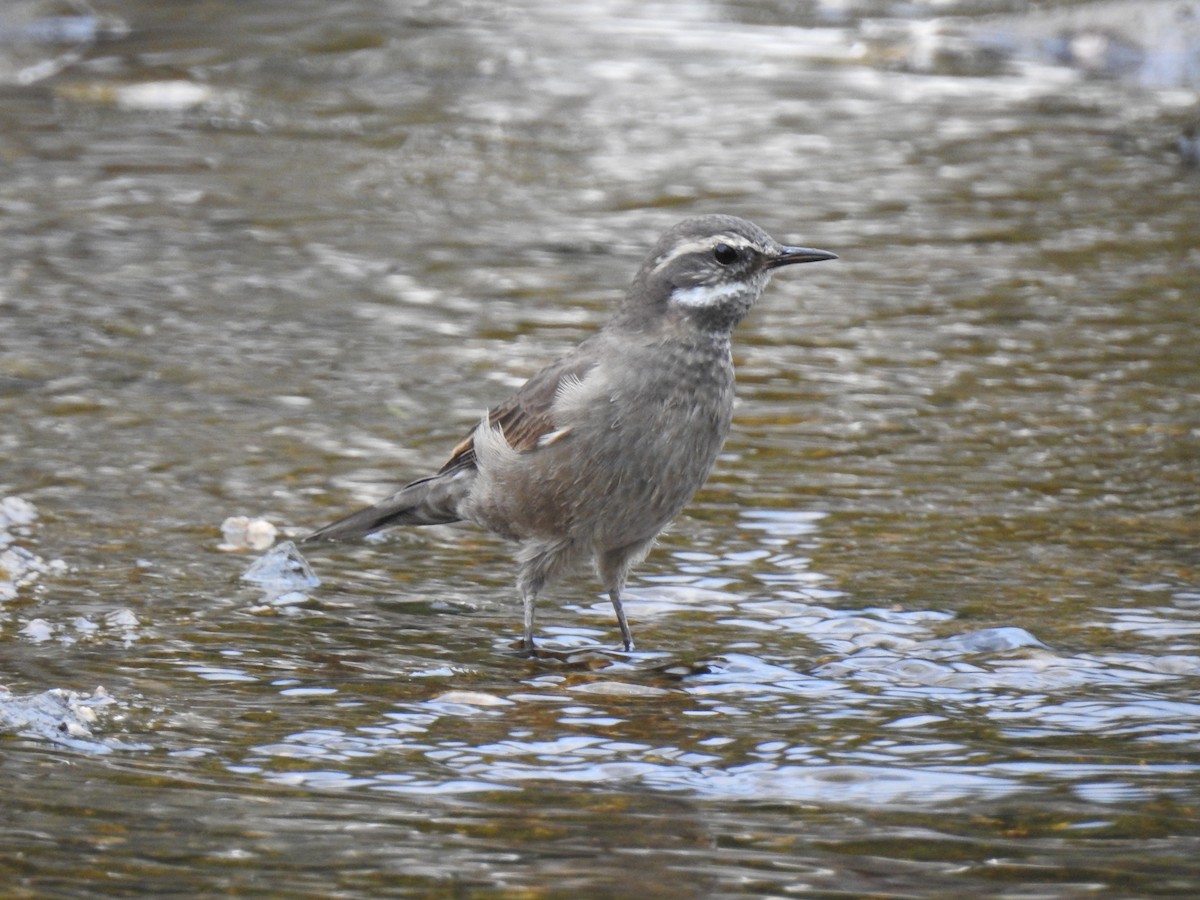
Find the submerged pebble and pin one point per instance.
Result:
(244, 533)
(282, 569)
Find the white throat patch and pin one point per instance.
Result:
(703, 295)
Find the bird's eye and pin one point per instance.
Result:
(724, 254)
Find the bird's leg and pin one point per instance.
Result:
(529, 598)
(613, 566)
(626, 637)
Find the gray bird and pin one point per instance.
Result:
(593, 456)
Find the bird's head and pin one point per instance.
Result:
(712, 269)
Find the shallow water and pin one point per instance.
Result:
(931, 629)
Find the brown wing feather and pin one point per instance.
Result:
(525, 416)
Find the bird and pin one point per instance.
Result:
(598, 452)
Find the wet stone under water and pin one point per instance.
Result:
(931, 629)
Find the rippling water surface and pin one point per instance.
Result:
(931, 629)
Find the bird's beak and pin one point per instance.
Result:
(789, 255)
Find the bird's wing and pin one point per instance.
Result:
(527, 416)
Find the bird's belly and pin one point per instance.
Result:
(621, 472)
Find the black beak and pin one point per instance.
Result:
(789, 255)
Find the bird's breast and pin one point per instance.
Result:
(633, 439)
(652, 438)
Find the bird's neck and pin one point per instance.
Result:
(675, 339)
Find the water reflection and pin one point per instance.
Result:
(727, 726)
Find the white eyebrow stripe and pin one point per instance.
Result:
(733, 240)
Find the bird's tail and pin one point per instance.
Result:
(430, 501)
